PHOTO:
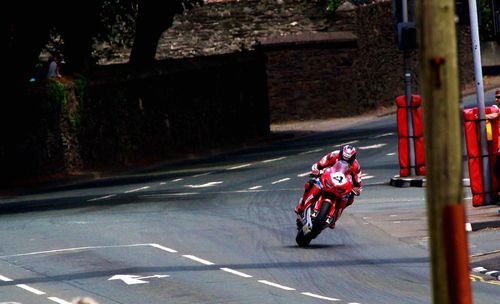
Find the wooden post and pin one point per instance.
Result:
(437, 56)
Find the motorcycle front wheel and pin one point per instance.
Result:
(320, 222)
(303, 240)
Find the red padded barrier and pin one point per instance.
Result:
(473, 144)
(418, 138)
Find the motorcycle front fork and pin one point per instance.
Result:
(331, 212)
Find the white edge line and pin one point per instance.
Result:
(163, 248)
(241, 274)
(137, 189)
(197, 259)
(71, 249)
(273, 159)
(202, 174)
(5, 279)
(246, 191)
(170, 194)
(319, 297)
(57, 300)
(101, 198)
(239, 167)
(276, 285)
(30, 289)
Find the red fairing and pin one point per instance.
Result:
(332, 157)
(473, 144)
(337, 179)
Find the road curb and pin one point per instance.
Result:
(483, 225)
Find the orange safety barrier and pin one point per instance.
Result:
(475, 159)
(403, 136)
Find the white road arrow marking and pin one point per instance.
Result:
(131, 279)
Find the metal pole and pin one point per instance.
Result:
(407, 80)
(478, 76)
(409, 119)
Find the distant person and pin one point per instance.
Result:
(54, 66)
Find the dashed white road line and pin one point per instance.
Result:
(384, 135)
(239, 167)
(137, 189)
(319, 297)
(197, 259)
(254, 187)
(5, 279)
(101, 198)
(209, 184)
(275, 285)
(390, 154)
(30, 289)
(170, 250)
(273, 159)
(303, 174)
(177, 180)
(281, 180)
(59, 301)
(241, 274)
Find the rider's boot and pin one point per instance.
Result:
(342, 206)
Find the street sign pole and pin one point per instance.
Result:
(478, 76)
(407, 80)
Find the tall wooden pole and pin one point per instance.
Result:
(443, 151)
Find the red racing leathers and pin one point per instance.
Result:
(313, 187)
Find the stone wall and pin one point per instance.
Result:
(306, 75)
(375, 79)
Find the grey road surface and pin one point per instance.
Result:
(222, 230)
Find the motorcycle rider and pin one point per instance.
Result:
(313, 186)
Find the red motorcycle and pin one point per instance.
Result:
(336, 183)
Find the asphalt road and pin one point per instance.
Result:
(222, 230)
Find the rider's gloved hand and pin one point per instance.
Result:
(356, 191)
(315, 171)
